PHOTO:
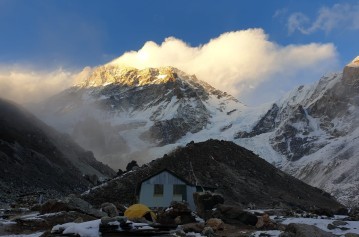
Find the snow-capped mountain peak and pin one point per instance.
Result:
(355, 62)
(140, 109)
(351, 73)
(129, 76)
(133, 77)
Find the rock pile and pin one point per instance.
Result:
(205, 202)
(178, 213)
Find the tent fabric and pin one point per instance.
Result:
(139, 211)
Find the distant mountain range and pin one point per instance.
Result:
(315, 128)
(122, 113)
(37, 159)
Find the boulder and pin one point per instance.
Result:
(53, 205)
(339, 223)
(193, 227)
(121, 208)
(265, 223)
(110, 209)
(322, 212)
(260, 223)
(165, 219)
(331, 227)
(205, 202)
(208, 231)
(41, 222)
(70, 203)
(215, 224)
(177, 213)
(120, 219)
(354, 214)
(180, 232)
(184, 219)
(234, 215)
(303, 230)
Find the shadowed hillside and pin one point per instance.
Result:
(240, 175)
(36, 158)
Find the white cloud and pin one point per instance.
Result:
(328, 18)
(25, 85)
(296, 22)
(237, 61)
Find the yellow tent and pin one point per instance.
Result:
(138, 211)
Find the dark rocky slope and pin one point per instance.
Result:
(36, 158)
(240, 175)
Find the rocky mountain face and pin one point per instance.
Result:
(315, 129)
(37, 159)
(124, 114)
(121, 113)
(239, 175)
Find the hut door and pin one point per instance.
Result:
(179, 192)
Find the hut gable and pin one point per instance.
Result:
(166, 176)
(163, 187)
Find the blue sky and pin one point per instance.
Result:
(72, 34)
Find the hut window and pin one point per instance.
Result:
(179, 192)
(179, 189)
(158, 190)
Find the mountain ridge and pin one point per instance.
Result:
(151, 115)
(316, 130)
(36, 158)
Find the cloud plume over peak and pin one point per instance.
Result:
(237, 61)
